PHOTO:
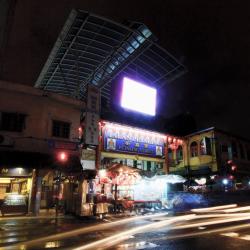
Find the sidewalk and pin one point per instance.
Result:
(43, 214)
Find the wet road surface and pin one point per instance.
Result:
(215, 228)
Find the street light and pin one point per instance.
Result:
(62, 157)
(225, 181)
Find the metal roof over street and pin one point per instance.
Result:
(94, 50)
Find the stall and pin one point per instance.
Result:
(15, 190)
(14, 203)
(126, 188)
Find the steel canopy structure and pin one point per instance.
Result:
(94, 50)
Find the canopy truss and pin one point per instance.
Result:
(94, 50)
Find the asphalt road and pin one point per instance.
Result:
(214, 228)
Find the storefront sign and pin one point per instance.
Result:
(88, 154)
(88, 165)
(63, 145)
(88, 159)
(15, 172)
(124, 139)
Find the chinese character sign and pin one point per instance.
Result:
(92, 116)
(93, 99)
(124, 139)
(91, 132)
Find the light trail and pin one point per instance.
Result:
(237, 209)
(204, 232)
(215, 215)
(218, 218)
(209, 209)
(114, 239)
(83, 230)
(214, 222)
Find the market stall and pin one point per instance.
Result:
(14, 204)
(126, 188)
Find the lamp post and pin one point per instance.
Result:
(62, 158)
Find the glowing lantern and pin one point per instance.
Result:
(179, 141)
(234, 168)
(102, 173)
(62, 156)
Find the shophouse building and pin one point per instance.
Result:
(38, 137)
(212, 152)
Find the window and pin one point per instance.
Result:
(248, 153)
(205, 146)
(224, 148)
(170, 154)
(242, 152)
(61, 129)
(194, 149)
(234, 149)
(12, 122)
(179, 153)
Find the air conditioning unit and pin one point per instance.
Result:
(6, 141)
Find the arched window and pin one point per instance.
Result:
(170, 154)
(194, 149)
(242, 152)
(205, 146)
(248, 153)
(179, 153)
(234, 149)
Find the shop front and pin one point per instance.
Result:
(128, 155)
(128, 171)
(138, 148)
(15, 190)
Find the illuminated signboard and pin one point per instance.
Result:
(131, 140)
(8, 172)
(138, 97)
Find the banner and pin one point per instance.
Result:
(92, 116)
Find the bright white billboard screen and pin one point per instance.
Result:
(138, 97)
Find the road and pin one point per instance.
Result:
(221, 227)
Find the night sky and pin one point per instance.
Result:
(212, 38)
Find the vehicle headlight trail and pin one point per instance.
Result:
(83, 230)
(126, 234)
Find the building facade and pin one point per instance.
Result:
(38, 137)
(212, 152)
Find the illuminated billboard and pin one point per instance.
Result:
(138, 97)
